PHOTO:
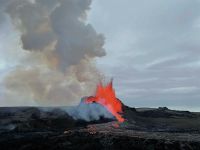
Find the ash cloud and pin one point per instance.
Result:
(58, 67)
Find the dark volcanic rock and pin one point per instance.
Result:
(31, 128)
(29, 119)
(162, 120)
(100, 137)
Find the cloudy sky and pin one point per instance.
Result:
(152, 50)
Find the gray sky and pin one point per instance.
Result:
(152, 50)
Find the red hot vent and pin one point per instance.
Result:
(105, 96)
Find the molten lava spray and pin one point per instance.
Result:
(105, 96)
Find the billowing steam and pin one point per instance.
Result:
(89, 112)
(58, 67)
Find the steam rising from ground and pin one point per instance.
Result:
(89, 112)
(58, 67)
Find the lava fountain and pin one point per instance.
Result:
(105, 96)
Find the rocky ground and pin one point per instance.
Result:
(31, 128)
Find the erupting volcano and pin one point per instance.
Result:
(105, 96)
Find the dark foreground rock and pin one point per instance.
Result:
(102, 136)
(31, 128)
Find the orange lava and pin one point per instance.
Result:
(105, 96)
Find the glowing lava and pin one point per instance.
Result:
(105, 96)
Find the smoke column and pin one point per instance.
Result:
(60, 47)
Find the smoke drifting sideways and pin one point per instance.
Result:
(59, 65)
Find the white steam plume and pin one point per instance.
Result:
(58, 68)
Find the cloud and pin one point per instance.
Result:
(54, 53)
(154, 50)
